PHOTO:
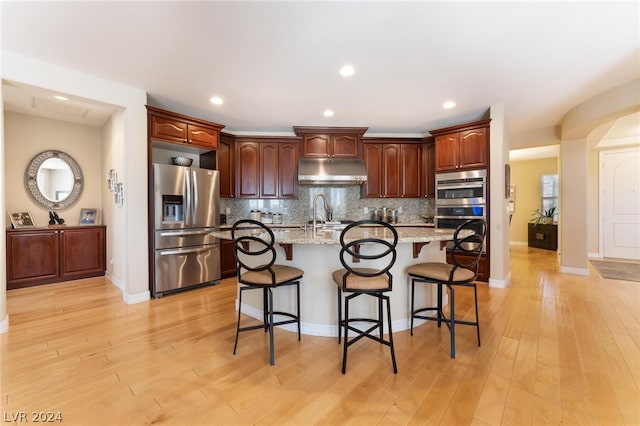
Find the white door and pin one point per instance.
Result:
(620, 203)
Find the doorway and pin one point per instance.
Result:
(620, 203)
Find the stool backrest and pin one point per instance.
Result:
(466, 251)
(380, 240)
(245, 232)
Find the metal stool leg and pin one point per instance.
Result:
(393, 352)
(452, 321)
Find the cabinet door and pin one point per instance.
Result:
(169, 130)
(428, 170)
(269, 170)
(372, 153)
(447, 152)
(317, 146)
(247, 178)
(473, 148)
(32, 257)
(288, 170)
(227, 259)
(225, 167)
(203, 136)
(82, 252)
(344, 146)
(410, 170)
(391, 170)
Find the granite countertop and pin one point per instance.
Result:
(410, 234)
(275, 226)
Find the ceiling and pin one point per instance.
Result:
(276, 64)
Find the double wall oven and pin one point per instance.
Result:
(460, 196)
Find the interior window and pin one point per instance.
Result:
(549, 191)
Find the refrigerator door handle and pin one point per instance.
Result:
(183, 251)
(181, 233)
(194, 188)
(188, 216)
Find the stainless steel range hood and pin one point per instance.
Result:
(331, 171)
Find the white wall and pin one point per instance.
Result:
(500, 260)
(25, 136)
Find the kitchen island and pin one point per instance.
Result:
(318, 255)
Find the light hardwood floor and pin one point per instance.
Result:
(556, 349)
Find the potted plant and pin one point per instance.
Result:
(545, 217)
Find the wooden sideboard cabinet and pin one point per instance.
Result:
(38, 256)
(544, 236)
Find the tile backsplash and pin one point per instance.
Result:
(345, 201)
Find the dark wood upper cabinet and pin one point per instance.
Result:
(226, 165)
(410, 164)
(47, 255)
(394, 167)
(176, 128)
(330, 142)
(269, 170)
(462, 147)
(428, 170)
(247, 169)
(288, 155)
(267, 167)
(372, 156)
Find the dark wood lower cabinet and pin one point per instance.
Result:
(227, 259)
(483, 266)
(46, 255)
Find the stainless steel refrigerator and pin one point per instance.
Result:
(185, 210)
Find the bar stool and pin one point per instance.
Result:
(465, 255)
(253, 245)
(378, 242)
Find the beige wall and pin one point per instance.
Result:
(525, 175)
(25, 136)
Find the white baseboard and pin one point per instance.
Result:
(574, 271)
(115, 281)
(129, 299)
(4, 324)
(500, 283)
(518, 243)
(595, 255)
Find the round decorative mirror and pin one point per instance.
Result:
(54, 180)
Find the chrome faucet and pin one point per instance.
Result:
(327, 211)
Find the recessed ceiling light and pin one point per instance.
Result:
(347, 71)
(216, 100)
(328, 113)
(61, 98)
(448, 105)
